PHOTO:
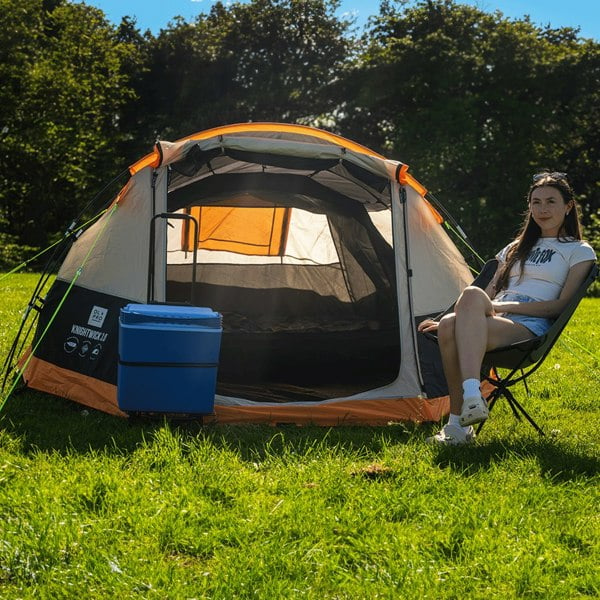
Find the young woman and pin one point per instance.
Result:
(537, 275)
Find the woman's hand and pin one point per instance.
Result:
(501, 307)
(428, 325)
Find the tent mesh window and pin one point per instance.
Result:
(300, 263)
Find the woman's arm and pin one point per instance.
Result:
(490, 289)
(549, 309)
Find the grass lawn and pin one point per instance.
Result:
(93, 506)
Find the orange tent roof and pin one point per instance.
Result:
(153, 159)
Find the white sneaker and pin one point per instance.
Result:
(474, 410)
(452, 435)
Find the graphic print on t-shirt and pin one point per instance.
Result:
(539, 257)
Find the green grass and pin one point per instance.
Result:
(95, 507)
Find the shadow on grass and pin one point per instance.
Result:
(45, 423)
(42, 422)
(556, 460)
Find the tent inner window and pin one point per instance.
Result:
(253, 231)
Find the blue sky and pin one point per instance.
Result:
(155, 14)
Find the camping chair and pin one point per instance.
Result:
(521, 359)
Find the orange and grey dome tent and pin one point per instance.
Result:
(320, 254)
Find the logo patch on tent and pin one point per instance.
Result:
(71, 344)
(95, 353)
(100, 336)
(85, 348)
(97, 316)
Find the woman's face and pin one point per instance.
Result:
(548, 209)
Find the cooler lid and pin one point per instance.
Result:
(166, 313)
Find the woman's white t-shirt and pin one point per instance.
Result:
(546, 268)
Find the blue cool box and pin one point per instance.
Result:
(168, 358)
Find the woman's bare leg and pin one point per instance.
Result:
(471, 330)
(465, 336)
(450, 362)
(478, 329)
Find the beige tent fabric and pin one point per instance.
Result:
(119, 242)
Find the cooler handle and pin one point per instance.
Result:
(151, 258)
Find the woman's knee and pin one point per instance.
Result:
(472, 297)
(446, 328)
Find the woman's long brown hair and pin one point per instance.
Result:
(530, 232)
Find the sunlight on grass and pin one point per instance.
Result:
(96, 507)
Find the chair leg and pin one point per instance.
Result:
(491, 401)
(501, 390)
(515, 406)
(525, 384)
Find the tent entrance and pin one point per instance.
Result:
(306, 288)
(285, 341)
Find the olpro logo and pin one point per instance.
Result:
(97, 316)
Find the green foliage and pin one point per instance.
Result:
(476, 103)
(13, 254)
(592, 235)
(592, 232)
(267, 60)
(473, 101)
(62, 104)
(95, 507)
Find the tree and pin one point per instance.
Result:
(473, 102)
(263, 60)
(65, 91)
(476, 103)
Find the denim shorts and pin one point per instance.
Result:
(537, 325)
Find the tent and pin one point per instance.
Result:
(320, 254)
